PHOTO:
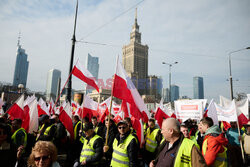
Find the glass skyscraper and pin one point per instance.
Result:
(21, 67)
(174, 92)
(92, 64)
(53, 82)
(198, 87)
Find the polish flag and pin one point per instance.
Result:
(65, 117)
(118, 117)
(16, 110)
(161, 113)
(242, 111)
(26, 112)
(42, 108)
(83, 74)
(103, 109)
(116, 108)
(89, 108)
(124, 89)
(51, 105)
(212, 112)
(138, 126)
(125, 107)
(33, 117)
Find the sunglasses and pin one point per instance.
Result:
(43, 158)
(122, 127)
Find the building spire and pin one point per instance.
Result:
(135, 15)
(19, 37)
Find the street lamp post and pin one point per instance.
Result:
(72, 57)
(170, 65)
(230, 70)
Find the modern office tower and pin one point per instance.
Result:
(135, 59)
(154, 85)
(198, 87)
(53, 84)
(174, 92)
(21, 67)
(165, 95)
(92, 64)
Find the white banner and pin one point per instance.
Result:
(227, 114)
(185, 109)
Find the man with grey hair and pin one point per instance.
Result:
(176, 150)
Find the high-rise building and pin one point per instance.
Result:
(21, 67)
(53, 84)
(198, 87)
(174, 92)
(165, 95)
(135, 59)
(92, 64)
(154, 85)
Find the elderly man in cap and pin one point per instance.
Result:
(125, 147)
(92, 149)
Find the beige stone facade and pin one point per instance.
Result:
(135, 59)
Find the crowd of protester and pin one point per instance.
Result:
(101, 144)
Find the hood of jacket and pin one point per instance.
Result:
(219, 137)
(213, 129)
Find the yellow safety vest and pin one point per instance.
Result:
(13, 137)
(221, 158)
(75, 130)
(120, 154)
(47, 130)
(151, 142)
(96, 129)
(88, 149)
(183, 157)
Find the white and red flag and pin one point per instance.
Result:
(26, 112)
(103, 109)
(241, 108)
(42, 108)
(212, 112)
(138, 126)
(66, 118)
(51, 105)
(16, 110)
(125, 107)
(242, 111)
(83, 74)
(88, 108)
(161, 113)
(124, 89)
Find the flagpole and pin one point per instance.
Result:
(107, 133)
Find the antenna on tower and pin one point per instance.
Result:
(19, 37)
(135, 14)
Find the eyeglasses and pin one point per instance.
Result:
(43, 158)
(122, 127)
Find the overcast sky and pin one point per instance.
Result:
(198, 34)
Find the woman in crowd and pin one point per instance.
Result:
(44, 154)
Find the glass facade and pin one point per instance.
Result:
(53, 78)
(21, 67)
(198, 88)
